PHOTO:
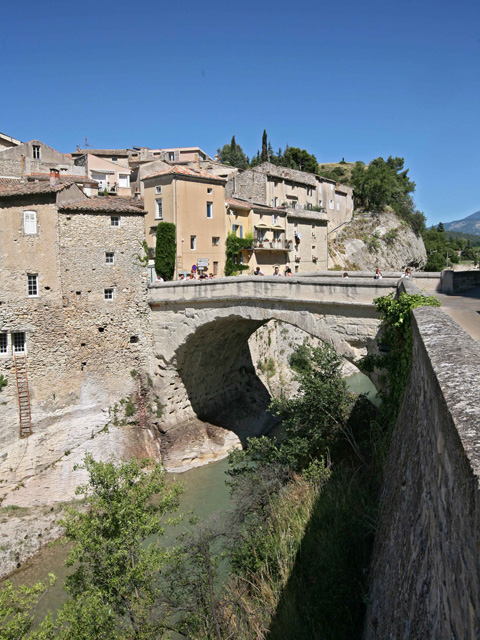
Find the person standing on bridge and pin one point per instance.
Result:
(258, 272)
(276, 271)
(378, 274)
(408, 273)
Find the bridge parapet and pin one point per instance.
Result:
(331, 290)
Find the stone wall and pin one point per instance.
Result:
(250, 185)
(454, 282)
(425, 574)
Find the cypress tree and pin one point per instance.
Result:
(264, 147)
(165, 250)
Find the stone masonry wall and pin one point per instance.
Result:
(250, 185)
(425, 575)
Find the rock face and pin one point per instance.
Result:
(377, 240)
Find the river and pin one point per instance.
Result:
(206, 493)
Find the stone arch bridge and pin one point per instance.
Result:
(201, 331)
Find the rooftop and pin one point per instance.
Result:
(115, 204)
(180, 170)
(19, 188)
(102, 152)
(286, 173)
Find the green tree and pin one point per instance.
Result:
(440, 227)
(264, 153)
(17, 606)
(233, 155)
(300, 159)
(165, 250)
(115, 589)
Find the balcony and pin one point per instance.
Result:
(272, 245)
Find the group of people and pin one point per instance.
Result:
(406, 274)
(276, 272)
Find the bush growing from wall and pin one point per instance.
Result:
(165, 250)
(233, 247)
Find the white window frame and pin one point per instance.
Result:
(30, 223)
(158, 189)
(331, 205)
(7, 344)
(108, 255)
(338, 206)
(193, 243)
(171, 156)
(331, 187)
(275, 218)
(126, 178)
(108, 293)
(159, 208)
(32, 285)
(19, 343)
(209, 210)
(115, 221)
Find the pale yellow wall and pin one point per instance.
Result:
(280, 189)
(313, 242)
(185, 204)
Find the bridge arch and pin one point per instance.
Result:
(202, 350)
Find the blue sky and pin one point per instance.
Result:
(352, 79)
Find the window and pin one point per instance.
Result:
(275, 202)
(209, 209)
(275, 219)
(331, 204)
(171, 156)
(209, 190)
(158, 189)
(32, 285)
(309, 191)
(123, 180)
(18, 341)
(158, 209)
(237, 230)
(30, 222)
(3, 343)
(110, 257)
(108, 294)
(314, 251)
(338, 206)
(331, 187)
(114, 159)
(114, 221)
(193, 243)
(215, 268)
(215, 241)
(36, 151)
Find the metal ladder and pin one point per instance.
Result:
(23, 394)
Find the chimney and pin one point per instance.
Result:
(22, 159)
(216, 157)
(137, 194)
(54, 177)
(78, 148)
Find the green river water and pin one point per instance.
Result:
(206, 494)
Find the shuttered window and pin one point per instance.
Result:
(30, 222)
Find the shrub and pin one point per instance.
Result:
(165, 250)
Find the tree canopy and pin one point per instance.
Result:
(233, 155)
(165, 250)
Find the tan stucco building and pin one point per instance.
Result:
(194, 200)
(111, 176)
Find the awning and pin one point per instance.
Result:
(277, 226)
(262, 225)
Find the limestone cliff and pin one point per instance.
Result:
(377, 240)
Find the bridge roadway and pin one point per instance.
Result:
(464, 309)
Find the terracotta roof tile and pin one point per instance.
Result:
(65, 177)
(19, 188)
(239, 204)
(102, 152)
(115, 204)
(180, 170)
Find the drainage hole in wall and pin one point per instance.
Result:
(82, 344)
(78, 293)
(84, 364)
(134, 339)
(47, 288)
(101, 329)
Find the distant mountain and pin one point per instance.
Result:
(470, 224)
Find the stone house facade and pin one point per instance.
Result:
(194, 200)
(112, 177)
(36, 157)
(73, 302)
(6, 142)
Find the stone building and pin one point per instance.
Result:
(304, 196)
(6, 142)
(36, 157)
(73, 307)
(110, 176)
(194, 200)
